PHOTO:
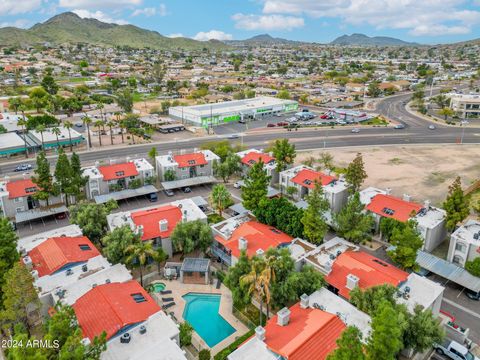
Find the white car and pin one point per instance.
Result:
(355, 130)
(237, 185)
(431, 127)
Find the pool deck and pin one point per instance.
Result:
(226, 305)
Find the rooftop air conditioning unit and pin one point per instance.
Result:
(143, 329)
(283, 317)
(34, 274)
(27, 261)
(163, 225)
(69, 272)
(84, 268)
(352, 281)
(304, 301)
(260, 333)
(125, 338)
(108, 281)
(242, 243)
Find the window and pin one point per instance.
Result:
(138, 298)
(132, 177)
(84, 247)
(19, 209)
(184, 169)
(388, 211)
(457, 260)
(460, 247)
(191, 162)
(251, 162)
(18, 199)
(30, 190)
(275, 231)
(120, 173)
(202, 166)
(307, 182)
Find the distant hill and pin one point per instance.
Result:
(364, 40)
(262, 39)
(70, 28)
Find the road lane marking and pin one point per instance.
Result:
(460, 293)
(463, 308)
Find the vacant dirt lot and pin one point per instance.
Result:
(424, 172)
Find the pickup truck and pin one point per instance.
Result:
(454, 351)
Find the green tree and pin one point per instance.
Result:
(152, 154)
(446, 112)
(20, 336)
(64, 176)
(125, 100)
(92, 218)
(255, 188)
(473, 267)
(456, 205)
(49, 85)
(87, 121)
(138, 255)
(257, 282)
(352, 223)
(349, 346)
(8, 250)
(19, 297)
(326, 159)
(191, 235)
(116, 243)
(282, 214)
(423, 329)
(369, 300)
(220, 198)
(387, 225)
(386, 337)
(284, 153)
(242, 267)
(38, 97)
(169, 175)
(23, 123)
(204, 355)
(78, 180)
(355, 174)
(305, 281)
(68, 125)
(41, 129)
(43, 179)
(14, 103)
(314, 224)
(227, 167)
(373, 90)
(99, 124)
(186, 331)
(407, 242)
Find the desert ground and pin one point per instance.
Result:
(423, 172)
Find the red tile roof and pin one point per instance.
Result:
(193, 159)
(253, 157)
(402, 209)
(111, 307)
(118, 171)
(310, 334)
(55, 253)
(150, 219)
(258, 236)
(307, 178)
(19, 188)
(370, 271)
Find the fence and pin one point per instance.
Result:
(475, 186)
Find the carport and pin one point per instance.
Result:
(195, 271)
(38, 213)
(448, 271)
(125, 194)
(199, 180)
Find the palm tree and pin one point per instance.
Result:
(56, 130)
(68, 125)
(23, 122)
(100, 106)
(99, 124)
(138, 255)
(111, 124)
(220, 198)
(87, 121)
(122, 127)
(41, 129)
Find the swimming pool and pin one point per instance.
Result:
(201, 311)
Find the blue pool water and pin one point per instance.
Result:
(201, 311)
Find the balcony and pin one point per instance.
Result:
(218, 252)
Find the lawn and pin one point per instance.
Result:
(376, 121)
(214, 218)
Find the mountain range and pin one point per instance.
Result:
(70, 28)
(364, 40)
(263, 39)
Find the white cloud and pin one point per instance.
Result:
(99, 15)
(267, 22)
(19, 23)
(420, 18)
(212, 34)
(151, 11)
(96, 4)
(175, 35)
(12, 7)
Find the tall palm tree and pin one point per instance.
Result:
(41, 129)
(220, 198)
(87, 121)
(68, 125)
(138, 255)
(23, 123)
(122, 127)
(99, 124)
(56, 130)
(100, 106)
(111, 124)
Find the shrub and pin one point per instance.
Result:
(185, 334)
(204, 355)
(222, 355)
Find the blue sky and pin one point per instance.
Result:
(424, 21)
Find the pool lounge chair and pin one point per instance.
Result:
(165, 292)
(166, 306)
(167, 299)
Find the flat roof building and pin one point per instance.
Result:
(208, 115)
(466, 105)
(465, 243)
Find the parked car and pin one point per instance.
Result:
(168, 192)
(270, 125)
(79, 125)
(399, 126)
(355, 130)
(61, 216)
(292, 119)
(431, 127)
(282, 123)
(242, 121)
(454, 351)
(233, 136)
(237, 185)
(472, 294)
(187, 190)
(23, 167)
(152, 197)
(278, 115)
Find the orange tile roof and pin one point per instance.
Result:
(258, 236)
(118, 171)
(19, 188)
(370, 270)
(307, 178)
(111, 308)
(402, 209)
(193, 159)
(310, 334)
(150, 219)
(55, 253)
(253, 157)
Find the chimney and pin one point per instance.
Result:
(283, 317)
(352, 281)
(260, 333)
(27, 261)
(407, 197)
(140, 230)
(388, 191)
(304, 299)
(34, 274)
(242, 243)
(426, 204)
(163, 225)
